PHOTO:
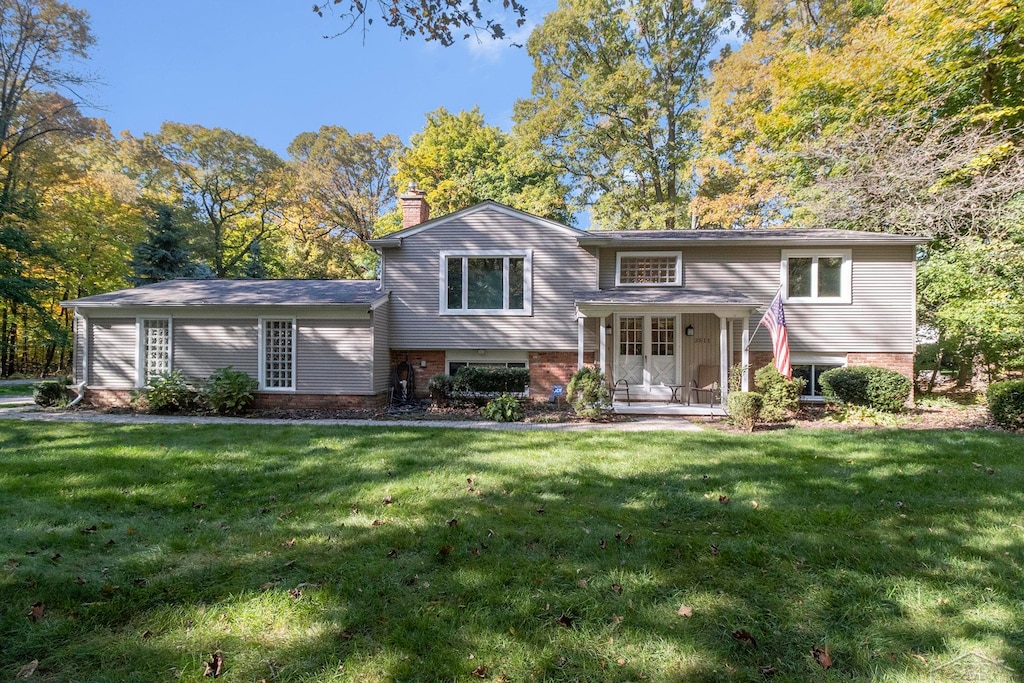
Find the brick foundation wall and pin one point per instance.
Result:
(425, 364)
(548, 368)
(121, 398)
(108, 398)
(902, 363)
(758, 359)
(289, 401)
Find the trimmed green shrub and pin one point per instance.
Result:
(167, 392)
(228, 390)
(440, 387)
(488, 380)
(49, 394)
(1006, 403)
(745, 408)
(588, 394)
(505, 408)
(780, 397)
(865, 385)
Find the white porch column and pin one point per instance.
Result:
(603, 361)
(745, 357)
(723, 358)
(579, 343)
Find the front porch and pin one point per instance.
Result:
(663, 409)
(673, 348)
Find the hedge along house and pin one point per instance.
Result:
(491, 285)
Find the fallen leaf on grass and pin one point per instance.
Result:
(617, 588)
(767, 670)
(723, 499)
(393, 553)
(481, 671)
(822, 656)
(445, 550)
(89, 530)
(295, 593)
(55, 557)
(147, 634)
(603, 544)
(616, 619)
(387, 500)
(215, 666)
(565, 620)
(289, 543)
(540, 511)
(35, 612)
(80, 581)
(743, 636)
(582, 583)
(629, 539)
(196, 505)
(12, 563)
(452, 523)
(620, 661)
(714, 549)
(27, 670)
(685, 611)
(377, 522)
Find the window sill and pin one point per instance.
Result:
(502, 312)
(817, 300)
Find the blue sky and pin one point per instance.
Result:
(262, 68)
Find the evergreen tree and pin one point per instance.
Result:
(162, 256)
(255, 267)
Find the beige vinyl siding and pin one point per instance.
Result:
(113, 351)
(560, 266)
(80, 328)
(880, 317)
(203, 345)
(381, 348)
(334, 357)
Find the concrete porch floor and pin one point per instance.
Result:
(667, 409)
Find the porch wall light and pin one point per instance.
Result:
(689, 330)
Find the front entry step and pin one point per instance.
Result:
(661, 408)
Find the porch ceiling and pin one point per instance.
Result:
(720, 301)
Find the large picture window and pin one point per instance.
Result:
(277, 354)
(648, 269)
(817, 276)
(154, 349)
(486, 282)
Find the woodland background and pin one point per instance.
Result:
(902, 116)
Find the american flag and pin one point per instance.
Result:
(775, 320)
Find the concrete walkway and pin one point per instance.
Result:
(639, 424)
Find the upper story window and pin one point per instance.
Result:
(823, 276)
(277, 354)
(486, 282)
(648, 268)
(154, 349)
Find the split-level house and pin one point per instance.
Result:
(491, 285)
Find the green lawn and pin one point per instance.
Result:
(16, 390)
(509, 556)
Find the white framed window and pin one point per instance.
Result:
(648, 268)
(817, 275)
(483, 358)
(277, 354)
(810, 369)
(486, 282)
(154, 350)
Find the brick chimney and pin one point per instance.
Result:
(415, 209)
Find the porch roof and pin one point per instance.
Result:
(693, 300)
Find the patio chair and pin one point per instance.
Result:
(705, 386)
(618, 387)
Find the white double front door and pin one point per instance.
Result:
(646, 353)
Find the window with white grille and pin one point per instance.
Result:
(156, 349)
(278, 354)
(648, 269)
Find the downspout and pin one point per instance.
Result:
(80, 389)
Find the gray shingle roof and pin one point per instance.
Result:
(239, 293)
(666, 295)
(775, 237)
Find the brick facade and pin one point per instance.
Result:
(902, 363)
(292, 401)
(425, 364)
(548, 368)
(108, 398)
